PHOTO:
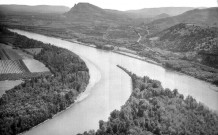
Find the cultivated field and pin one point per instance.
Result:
(12, 66)
(35, 66)
(7, 85)
(2, 55)
(7, 53)
(19, 64)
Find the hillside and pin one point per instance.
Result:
(85, 12)
(152, 12)
(24, 9)
(205, 17)
(202, 42)
(160, 16)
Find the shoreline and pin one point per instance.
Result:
(84, 91)
(73, 99)
(155, 63)
(161, 102)
(76, 100)
(93, 46)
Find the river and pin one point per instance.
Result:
(110, 87)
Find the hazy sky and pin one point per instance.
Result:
(119, 4)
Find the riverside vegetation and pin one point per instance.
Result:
(184, 44)
(187, 48)
(151, 109)
(39, 98)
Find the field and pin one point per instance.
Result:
(7, 85)
(35, 66)
(7, 53)
(2, 55)
(12, 66)
(25, 75)
(19, 64)
(10, 61)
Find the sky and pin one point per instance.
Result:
(120, 4)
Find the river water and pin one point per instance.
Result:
(110, 87)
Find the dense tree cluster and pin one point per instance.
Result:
(39, 98)
(154, 110)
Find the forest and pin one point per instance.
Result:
(153, 110)
(39, 98)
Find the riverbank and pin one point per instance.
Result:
(114, 88)
(39, 98)
(154, 110)
(128, 54)
(198, 71)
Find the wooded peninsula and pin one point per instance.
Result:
(39, 98)
(153, 110)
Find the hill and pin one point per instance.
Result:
(201, 41)
(160, 16)
(205, 17)
(152, 12)
(85, 12)
(24, 9)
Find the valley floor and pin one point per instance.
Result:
(167, 59)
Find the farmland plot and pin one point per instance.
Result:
(23, 54)
(7, 85)
(12, 66)
(7, 53)
(12, 54)
(35, 66)
(18, 64)
(2, 55)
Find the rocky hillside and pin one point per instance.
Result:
(85, 12)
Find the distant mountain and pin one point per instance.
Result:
(85, 12)
(152, 12)
(160, 16)
(205, 17)
(24, 9)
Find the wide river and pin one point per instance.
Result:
(110, 87)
